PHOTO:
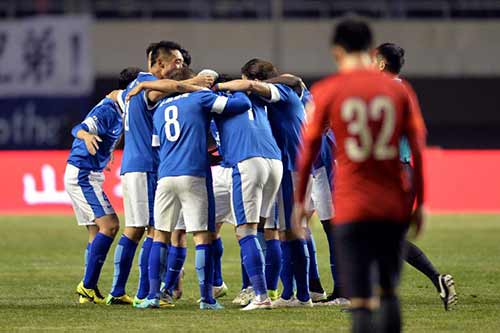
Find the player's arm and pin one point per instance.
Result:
(227, 104)
(260, 88)
(87, 131)
(416, 133)
(312, 133)
(157, 89)
(290, 80)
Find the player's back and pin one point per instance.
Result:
(181, 124)
(246, 135)
(368, 112)
(104, 120)
(138, 154)
(286, 116)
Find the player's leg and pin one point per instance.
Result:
(93, 209)
(220, 288)
(356, 264)
(269, 221)
(166, 212)
(296, 245)
(248, 180)
(389, 253)
(198, 206)
(175, 260)
(138, 194)
(316, 290)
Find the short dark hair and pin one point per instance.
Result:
(187, 57)
(353, 35)
(259, 69)
(394, 56)
(150, 48)
(127, 75)
(162, 46)
(181, 74)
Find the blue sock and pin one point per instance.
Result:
(175, 261)
(245, 281)
(217, 251)
(286, 270)
(156, 264)
(262, 240)
(204, 269)
(143, 288)
(300, 266)
(163, 272)
(98, 251)
(124, 256)
(254, 263)
(87, 253)
(313, 264)
(273, 263)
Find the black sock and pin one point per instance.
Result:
(362, 320)
(315, 286)
(388, 317)
(416, 258)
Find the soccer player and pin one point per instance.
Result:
(95, 139)
(389, 57)
(139, 166)
(286, 115)
(249, 148)
(181, 123)
(369, 112)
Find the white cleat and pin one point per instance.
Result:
(256, 305)
(283, 303)
(244, 297)
(296, 303)
(447, 291)
(220, 290)
(317, 297)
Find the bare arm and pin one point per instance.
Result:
(161, 88)
(290, 80)
(257, 87)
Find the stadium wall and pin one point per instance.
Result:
(456, 181)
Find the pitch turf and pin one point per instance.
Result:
(41, 260)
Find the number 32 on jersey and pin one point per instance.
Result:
(362, 144)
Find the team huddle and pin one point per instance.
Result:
(262, 154)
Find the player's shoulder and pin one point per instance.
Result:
(145, 76)
(326, 83)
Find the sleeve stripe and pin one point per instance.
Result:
(155, 141)
(91, 124)
(275, 94)
(219, 104)
(121, 99)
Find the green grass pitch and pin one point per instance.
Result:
(41, 262)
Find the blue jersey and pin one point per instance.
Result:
(138, 153)
(181, 124)
(246, 135)
(326, 157)
(104, 120)
(286, 115)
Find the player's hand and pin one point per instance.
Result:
(91, 142)
(417, 222)
(298, 215)
(205, 81)
(134, 91)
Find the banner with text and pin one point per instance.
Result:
(456, 181)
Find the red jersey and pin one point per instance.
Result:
(369, 112)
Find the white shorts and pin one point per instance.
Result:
(255, 183)
(87, 195)
(286, 199)
(138, 198)
(322, 194)
(221, 181)
(186, 193)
